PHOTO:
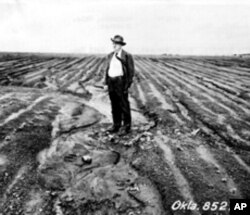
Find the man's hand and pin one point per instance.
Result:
(125, 90)
(105, 88)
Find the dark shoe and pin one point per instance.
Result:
(113, 129)
(124, 131)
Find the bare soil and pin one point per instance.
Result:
(190, 139)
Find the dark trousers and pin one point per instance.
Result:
(119, 102)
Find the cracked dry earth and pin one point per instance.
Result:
(57, 159)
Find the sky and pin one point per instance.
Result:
(196, 27)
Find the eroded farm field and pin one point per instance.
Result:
(190, 139)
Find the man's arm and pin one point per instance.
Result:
(131, 70)
(106, 67)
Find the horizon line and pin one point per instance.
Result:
(94, 53)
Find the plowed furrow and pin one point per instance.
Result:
(232, 81)
(165, 99)
(168, 108)
(201, 110)
(235, 71)
(181, 181)
(206, 93)
(211, 93)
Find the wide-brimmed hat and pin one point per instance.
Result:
(119, 40)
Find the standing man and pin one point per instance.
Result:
(119, 74)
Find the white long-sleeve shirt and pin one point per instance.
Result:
(115, 67)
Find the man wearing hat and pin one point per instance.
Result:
(119, 74)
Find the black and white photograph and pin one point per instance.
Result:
(124, 107)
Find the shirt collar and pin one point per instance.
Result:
(119, 53)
